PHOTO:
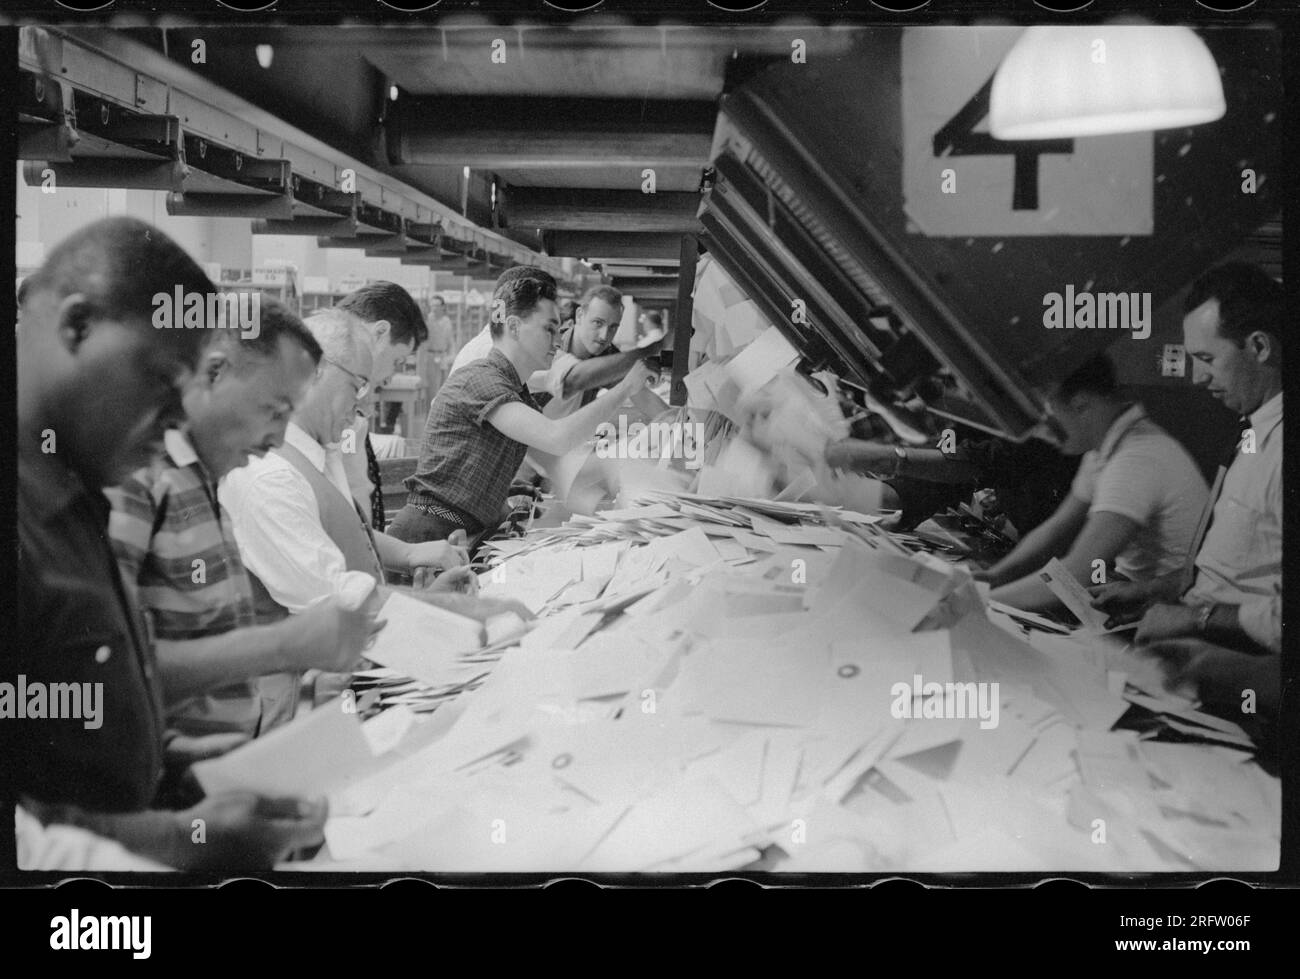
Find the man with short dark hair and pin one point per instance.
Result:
(393, 320)
(1134, 503)
(1233, 330)
(97, 388)
(484, 419)
(585, 362)
(228, 664)
(480, 345)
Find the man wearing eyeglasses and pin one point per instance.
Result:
(298, 528)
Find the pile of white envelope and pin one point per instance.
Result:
(717, 684)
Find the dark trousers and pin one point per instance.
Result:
(416, 526)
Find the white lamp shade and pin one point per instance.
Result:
(1062, 82)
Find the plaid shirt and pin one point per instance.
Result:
(175, 545)
(466, 465)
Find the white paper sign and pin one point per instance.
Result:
(957, 180)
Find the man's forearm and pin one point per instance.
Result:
(153, 833)
(877, 458)
(573, 430)
(191, 667)
(1224, 675)
(395, 555)
(598, 372)
(1028, 593)
(1035, 549)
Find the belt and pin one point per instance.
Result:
(425, 505)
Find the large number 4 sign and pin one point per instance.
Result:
(958, 181)
(957, 137)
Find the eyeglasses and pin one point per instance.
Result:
(364, 387)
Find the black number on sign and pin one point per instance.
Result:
(958, 138)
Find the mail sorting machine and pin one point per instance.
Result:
(937, 295)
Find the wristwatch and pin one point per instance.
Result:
(1203, 618)
(900, 454)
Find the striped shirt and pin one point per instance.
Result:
(174, 544)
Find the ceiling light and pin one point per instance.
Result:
(1062, 82)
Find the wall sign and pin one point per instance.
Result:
(960, 181)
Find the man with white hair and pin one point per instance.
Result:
(298, 528)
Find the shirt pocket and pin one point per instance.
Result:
(1234, 538)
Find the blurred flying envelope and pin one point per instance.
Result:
(316, 754)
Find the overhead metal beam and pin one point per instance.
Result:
(621, 270)
(608, 244)
(345, 226)
(634, 283)
(521, 133)
(617, 210)
(664, 293)
(126, 77)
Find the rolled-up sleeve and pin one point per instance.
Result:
(558, 373)
(1261, 619)
(277, 527)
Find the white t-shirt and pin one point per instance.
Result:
(478, 347)
(1141, 472)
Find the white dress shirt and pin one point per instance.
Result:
(62, 847)
(1240, 561)
(278, 527)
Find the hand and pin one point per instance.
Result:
(1166, 622)
(1176, 658)
(462, 580)
(328, 637)
(639, 376)
(486, 608)
(1123, 601)
(437, 554)
(182, 751)
(245, 831)
(476, 607)
(1220, 677)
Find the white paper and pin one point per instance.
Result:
(313, 755)
(425, 641)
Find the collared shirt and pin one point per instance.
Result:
(465, 463)
(77, 624)
(174, 542)
(1240, 560)
(277, 525)
(1141, 472)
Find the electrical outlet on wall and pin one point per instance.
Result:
(1173, 361)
